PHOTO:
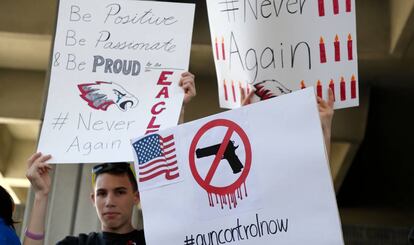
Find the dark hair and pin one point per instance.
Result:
(116, 168)
(6, 207)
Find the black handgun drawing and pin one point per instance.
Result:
(229, 155)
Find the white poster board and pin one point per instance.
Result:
(114, 74)
(276, 47)
(272, 186)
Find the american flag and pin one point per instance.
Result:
(156, 157)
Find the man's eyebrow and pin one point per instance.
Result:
(120, 188)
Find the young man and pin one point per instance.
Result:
(115, 195)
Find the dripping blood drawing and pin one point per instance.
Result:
(223, 152)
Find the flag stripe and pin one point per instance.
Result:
(168, 146)
(167, 165)
(169, 152)
(166, 172)
(171, 157)
(168, 138)
(149, 164)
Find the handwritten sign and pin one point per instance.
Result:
(245, 177)
(114, 73)
(276, 47)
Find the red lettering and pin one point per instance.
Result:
(152, 124)
(154, 110)
(163, 92)
(163, 78)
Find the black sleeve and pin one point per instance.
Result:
(82, 239)
(69, 240)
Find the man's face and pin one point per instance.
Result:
(114, 200)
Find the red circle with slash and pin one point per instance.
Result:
(231, 127)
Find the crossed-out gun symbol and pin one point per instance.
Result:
(229, 155)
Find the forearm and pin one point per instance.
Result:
(36, 224)
(327, 138)
(181, 118)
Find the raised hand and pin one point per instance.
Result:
(188, 84)
(38, 173)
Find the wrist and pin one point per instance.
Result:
(41, 195)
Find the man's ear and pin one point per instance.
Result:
(93, 198)
(136, 198)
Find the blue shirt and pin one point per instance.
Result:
(8, 235)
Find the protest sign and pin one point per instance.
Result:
(114, 74)
(254, 175)
(276, 47)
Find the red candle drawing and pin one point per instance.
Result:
(241, 89)
(319, 89)
(348, 5)
(343, 92)
(248, 87)
(322, 50)
(321, 7)
(223, 49)
(233, 91)
(337, 49)
(353, 87)
(332, 87)
(302, 84)
(226, 96)
(336, 6)
(217, 50)
(350, 51)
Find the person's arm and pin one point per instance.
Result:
(326, 113)
(188, 84)
(38, 173)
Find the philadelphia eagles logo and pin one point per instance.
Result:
(100, 95)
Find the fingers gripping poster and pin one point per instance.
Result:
(115, 70)
(278, 46)
(254, 175)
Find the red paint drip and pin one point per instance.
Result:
(229, 199)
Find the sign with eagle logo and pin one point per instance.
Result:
(276, 47)
(114, 74)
